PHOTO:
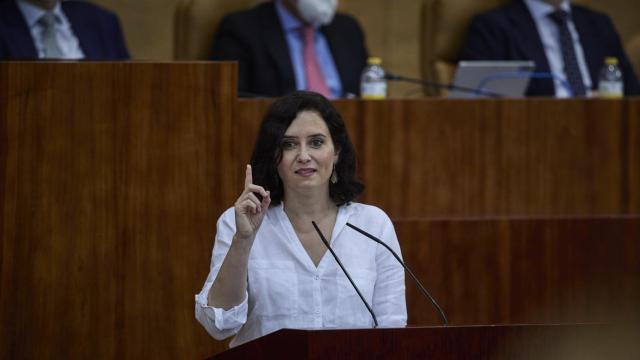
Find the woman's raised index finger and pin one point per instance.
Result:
(248, 177)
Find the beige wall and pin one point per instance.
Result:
(391, 29)
(148, 26)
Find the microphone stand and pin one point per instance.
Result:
(422, 289)
(326, 243)
(393, 77)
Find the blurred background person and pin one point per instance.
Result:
(567, 40)
(287, 45)
(52, 29)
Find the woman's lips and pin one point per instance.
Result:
(305, 172)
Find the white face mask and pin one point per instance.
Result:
(317, 12)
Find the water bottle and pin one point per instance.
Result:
(610, 84)
(373, 84)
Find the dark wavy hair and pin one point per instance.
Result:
(267, 152)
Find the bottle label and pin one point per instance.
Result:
(610, 89)
(374, 90)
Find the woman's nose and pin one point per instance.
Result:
(303, 155)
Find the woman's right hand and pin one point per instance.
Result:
(249, 210)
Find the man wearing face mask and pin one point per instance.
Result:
(287, 45)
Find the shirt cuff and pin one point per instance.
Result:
(224, 319)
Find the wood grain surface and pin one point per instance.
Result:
(524, 270)
(522, 342)
(112, 176)
(449, 158)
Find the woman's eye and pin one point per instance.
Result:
(316, 143)
(286, 145)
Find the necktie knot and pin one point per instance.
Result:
(48, 20)
(307, 33)
(560, 17)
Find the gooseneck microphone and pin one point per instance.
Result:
(422, 289)
(326, 243)
(474, 91)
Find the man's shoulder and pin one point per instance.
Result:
(589, 14)
(501, 13)
(8, 10)
(251, 15)
(85, 8)
(345, 22)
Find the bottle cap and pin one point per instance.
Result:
(374, 60)
(611, 60)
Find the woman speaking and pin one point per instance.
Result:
(269, 268)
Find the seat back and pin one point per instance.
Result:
(195, 25)
(444, 28)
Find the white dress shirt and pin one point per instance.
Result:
(286, 289)
(549, 34)
(67, 41)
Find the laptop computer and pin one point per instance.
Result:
(505, 78)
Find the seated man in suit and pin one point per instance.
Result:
(537, 30)
(53, 29)
(288, 45)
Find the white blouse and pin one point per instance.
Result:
(286, 289)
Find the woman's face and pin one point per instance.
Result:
(308, 154)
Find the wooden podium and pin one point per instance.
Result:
(563, 341)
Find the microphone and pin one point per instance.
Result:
(424, 291)
(392, 77)
(326, 243)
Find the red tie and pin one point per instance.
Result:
(315, 79)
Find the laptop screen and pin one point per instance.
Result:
(507, 78)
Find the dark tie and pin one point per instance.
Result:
(571, 68)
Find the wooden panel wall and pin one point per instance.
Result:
(111, 176)
(632, 168)
(524, 270)
(442, 158)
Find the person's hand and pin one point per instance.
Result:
(249, 210)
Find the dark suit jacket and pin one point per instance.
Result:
(509, 33)
(256, 40)
(98, 32)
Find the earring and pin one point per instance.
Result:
(334, 175)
